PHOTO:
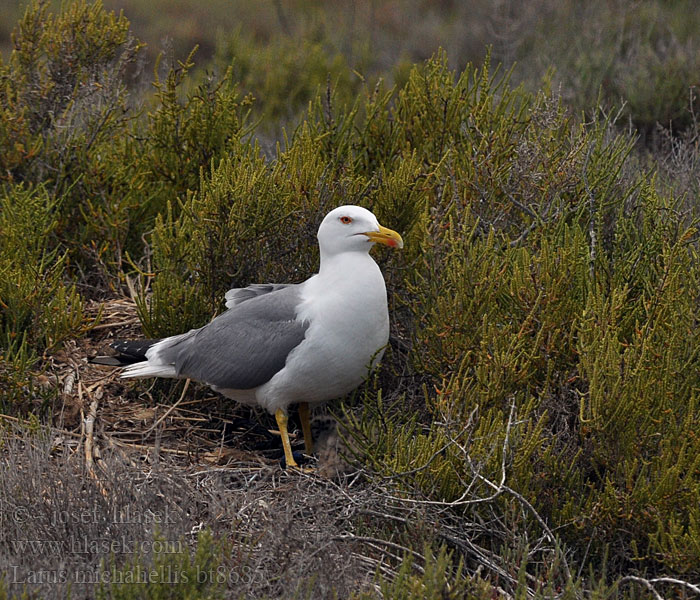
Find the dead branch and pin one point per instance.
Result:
(89, 443)
(649, 584)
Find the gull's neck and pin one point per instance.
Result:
(345, 264)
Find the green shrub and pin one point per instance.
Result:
(68, 123)
(285, 74)
(252, 221)
(63, 115)
(187, 129)
(549, 284)
(218, 238)
(38, 307)
(17, 385)
(642, 57)
(437, 579)
(36, 300)
(167, 574)
(58, 96)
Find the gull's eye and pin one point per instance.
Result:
(346, 220)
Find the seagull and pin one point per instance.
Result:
(283, 344)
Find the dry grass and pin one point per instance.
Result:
(60, 524)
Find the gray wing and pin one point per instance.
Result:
(237, 295)
(244, 347)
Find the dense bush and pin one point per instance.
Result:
(545, 329)
(285, 74)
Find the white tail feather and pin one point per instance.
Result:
(146, 369)
(154, 365)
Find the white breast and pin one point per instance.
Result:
(346, 307)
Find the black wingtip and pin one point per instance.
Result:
(108, 361)
(128, 353)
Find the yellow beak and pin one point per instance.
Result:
(385, 236)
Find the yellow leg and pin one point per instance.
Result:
(281, 417)
(306, 427)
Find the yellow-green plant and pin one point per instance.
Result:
(35, 299)
(172, 571)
